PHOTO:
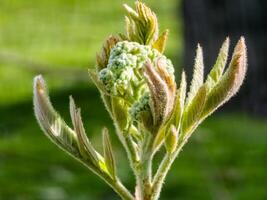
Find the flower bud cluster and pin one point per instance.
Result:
(140, 107)
(124, 72)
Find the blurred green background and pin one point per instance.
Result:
(225, 159)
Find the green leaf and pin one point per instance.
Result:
(192, 113)
(108, 154)
(131, 12)
(160, 43)
(159, 139)
(230, 82)
(171, 140)
(131, 29)
(51, 122)
(141, 24)
(120, 112)
(198, 74)
(179, 105)
(182, 89)
(217, 70)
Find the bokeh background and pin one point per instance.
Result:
(225, 159)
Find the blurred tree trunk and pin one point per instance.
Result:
(210, 21)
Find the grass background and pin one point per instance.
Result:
(225, 159)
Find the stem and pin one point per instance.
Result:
(128, 145)
(132, 149)
(160, 176)
(144, 172)
(119, 188)
(116, 184)
(163, 170)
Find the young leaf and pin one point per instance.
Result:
(193, 111)
(159, 139)
(162, 90)
(176, 114)
(102, 58)
(108, 154)
(171, 140)
(50, 121)
(179, 105)
(198, 74)
(141, 24)
(182, 89)
(120, 112)
(217, 70)
(230, 82)
(85, 147)
(160, 43)
(130, 29)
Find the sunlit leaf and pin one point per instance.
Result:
(192, 112)
(160, 43)
(171, 139)
(141, 24)
(108, 154)
(182, 94)
(162, 89)
(217, 70)
(198, 74)
(51, 122)
(119, 112)
(175, 118)
(230, 82)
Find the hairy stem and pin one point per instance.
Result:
(129, 147)
(163, 170)
(144, 172)
(116, 184)
(119, 188)
(132, 150)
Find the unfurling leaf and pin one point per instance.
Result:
(141, 24)
(108, 154)
(162, 89)
(171, 140)
(85, 147)
(182, 91)
(159, 139)
(230, 82)
(102, 58)
(217, 70)
(192, 113)
(175, 116)
(198, 74)
(179, 105)
(51, 122)
(160, 43)
(120, 112)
